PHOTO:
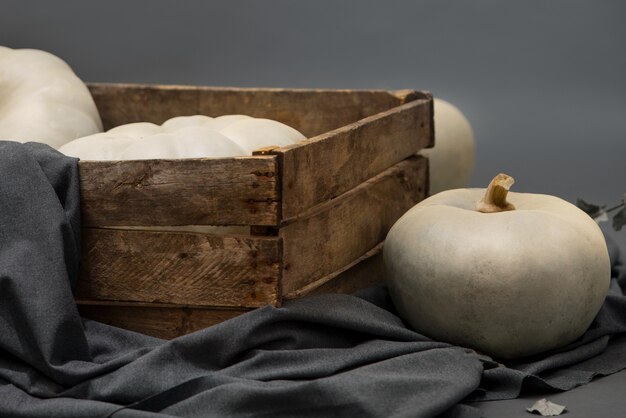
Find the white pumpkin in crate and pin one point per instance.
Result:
(196, 136)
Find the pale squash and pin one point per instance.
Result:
(507, 278)
(42, 100)
(451, 161)
(196, 136)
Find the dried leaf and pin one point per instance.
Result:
(619, 220)
(546, 408)
(589, 208)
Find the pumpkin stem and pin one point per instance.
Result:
(494, 199)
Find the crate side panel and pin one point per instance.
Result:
(179, 268)
(326, 166)
(310, 111)
(333, 235)
(160, 322)
(120, 104)
(225, 191)
(366, 271)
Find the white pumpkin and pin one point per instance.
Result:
(252, 134)
(180, 122)
(41, 99)
(196, 136)
(221, 122)
(510, 280)
(101, 146)
(138, 130)
(451, 161)
(215, 124)
(188, 142)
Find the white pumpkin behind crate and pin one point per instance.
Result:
(41, 99)
(451, 161)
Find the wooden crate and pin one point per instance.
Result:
(317, 211)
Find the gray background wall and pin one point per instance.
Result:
(542, 82)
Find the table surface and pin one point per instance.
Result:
(603, 397)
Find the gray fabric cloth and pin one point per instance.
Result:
(333, 355)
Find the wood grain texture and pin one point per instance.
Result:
(323, 167)
(367, 270)
(312, 112)
(180, 268)
(161, 321)
(333, 235)
(210, 191)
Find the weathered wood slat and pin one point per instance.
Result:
(180, 268)
(310, 111)
(332, 235)
(119, 104)
(161, 321)
(224, 191)
(321, 168)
